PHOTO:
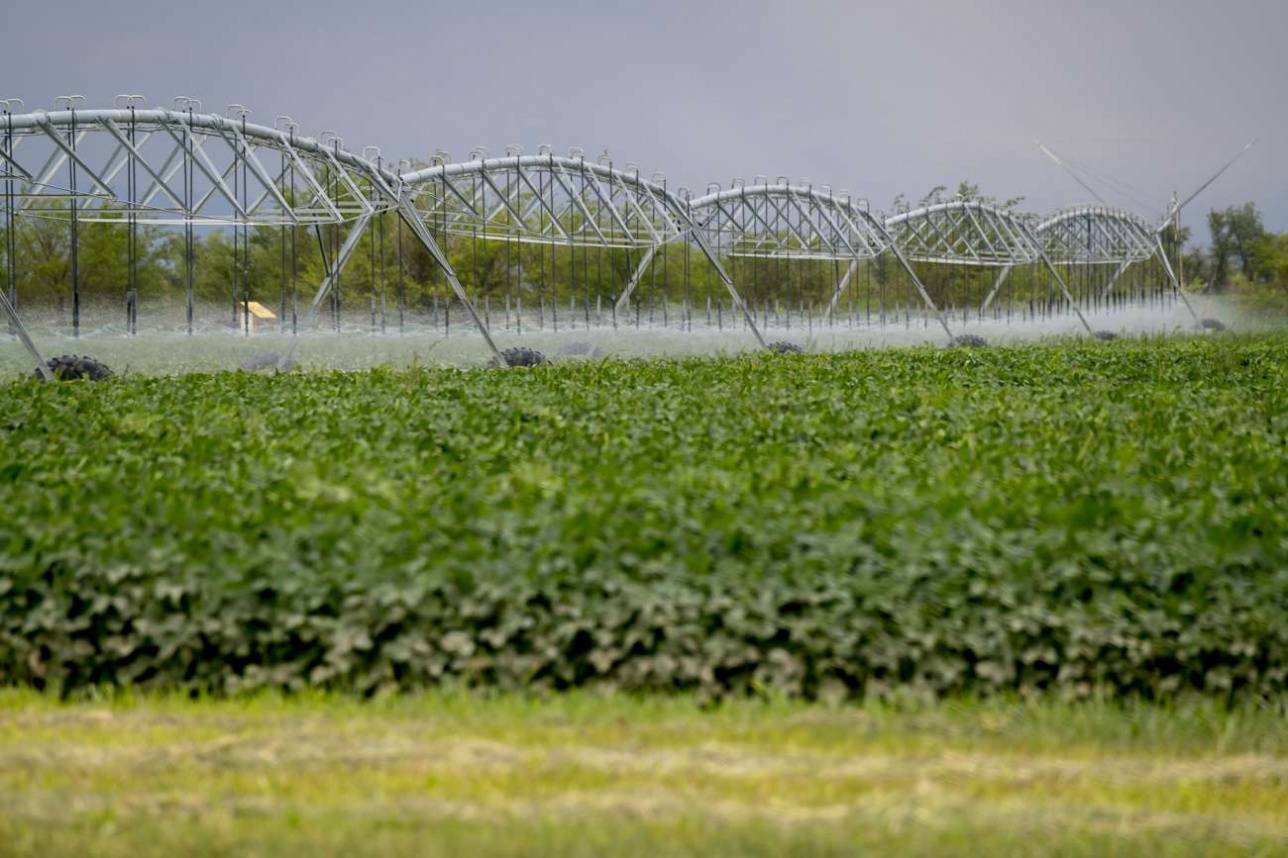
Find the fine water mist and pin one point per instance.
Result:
(169, 349)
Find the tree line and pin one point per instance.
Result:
(284, 265)
(1243, 258)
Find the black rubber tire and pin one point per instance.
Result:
(521, 356)
(72, 367)
(1105, 335)
(783, 347)
(968, 341)
(1212, 325)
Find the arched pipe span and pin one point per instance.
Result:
(111, 192)
(574, 202)
(240, 135)
(382, 189)
(602, 205)
(800, 222)
(969, 232)
(66, 131)
(1100, 235)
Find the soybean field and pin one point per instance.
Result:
(1078, 518)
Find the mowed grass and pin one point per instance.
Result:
(453, 773)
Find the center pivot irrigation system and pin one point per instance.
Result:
(184, 167)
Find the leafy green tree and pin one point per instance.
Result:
(44, 261)
(1269, 257)
(1234, 230)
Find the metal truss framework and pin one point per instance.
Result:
(545, 199)
(150, 166)
(789, 222)
(967, 232)
(182, 166)
(569, 201)
(1098, 235)
(964, 233)
(798, 222)
(1095, 235)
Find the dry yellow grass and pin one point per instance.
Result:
(454, 774)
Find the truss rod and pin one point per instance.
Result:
(1113, 281)
(997, 286)
(683, 216)
(1064, 288)
(16, 323)
(328, 281)
(1176, 284)
(840, 287)
(921, 289)
(418, 228)
(620, 304)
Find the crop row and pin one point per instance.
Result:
(1073, 518)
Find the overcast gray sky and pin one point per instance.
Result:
(875, 97)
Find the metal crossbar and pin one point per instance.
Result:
(964, 233)
(544, 199)
(789, 222)
(1095, 235)
(327, 185)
